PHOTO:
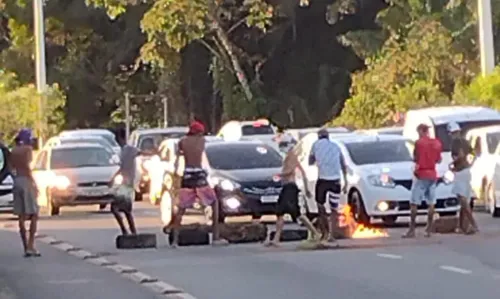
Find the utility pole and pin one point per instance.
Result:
(41, 75)
(486, 37)
(165, 112)
(127, 116)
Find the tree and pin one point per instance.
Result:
(483, 91)
(421, 70)
(20, 107)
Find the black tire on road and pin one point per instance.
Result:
(358, 208)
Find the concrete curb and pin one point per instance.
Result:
(153, 284)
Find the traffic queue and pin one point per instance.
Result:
(244, 161)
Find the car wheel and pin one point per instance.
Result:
(389, 220)
(52, 208)
(138, 196)
(494, 211)
(358, 208)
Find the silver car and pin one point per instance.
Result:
(6, 184)
(75, 174)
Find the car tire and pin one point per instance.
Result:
(138, 196)
(389, 220)
(52, 208)
(102, 207)
(491, 205)
(447, 214)
(358, 208)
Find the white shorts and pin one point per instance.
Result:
(462, 184)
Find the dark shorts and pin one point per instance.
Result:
(194, 179)
(288, 201)
(121, 206)
(328, 190)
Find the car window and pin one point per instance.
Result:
(492, 140)
(257, 129)
(442, 134)
(243, 156)
(376, 152)
(81, 157)
(101, 141)
(153, 141)
(41, 161)
(2, 159)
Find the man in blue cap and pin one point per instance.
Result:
(25, 191)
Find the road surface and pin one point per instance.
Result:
(445, 266)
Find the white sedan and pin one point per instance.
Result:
(380, 177)
(75, 174)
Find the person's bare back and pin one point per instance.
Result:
(20, 160)
(192, 147)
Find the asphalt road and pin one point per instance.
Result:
(445, 266)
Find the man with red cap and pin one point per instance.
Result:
(194, 184)
(427, 154)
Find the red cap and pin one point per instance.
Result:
(196, 128)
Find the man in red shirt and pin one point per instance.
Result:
(426, 155)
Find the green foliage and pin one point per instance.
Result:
(483, 91)
(21, 107)
(415, 72)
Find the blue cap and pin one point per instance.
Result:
(24, 136)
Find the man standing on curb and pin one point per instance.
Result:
(426, 155)
(460, 151)
(328, 157)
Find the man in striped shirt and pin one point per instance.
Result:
(331, 166)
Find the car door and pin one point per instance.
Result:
(478, 171)
(41, 175)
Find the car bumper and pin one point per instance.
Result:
(75, 199)
(6, 201)
(249, 205)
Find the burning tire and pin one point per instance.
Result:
(358, 208)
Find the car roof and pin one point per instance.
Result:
(239, 142)
(486, 129)
(441, 115)
(361, 138)
(80, 136)
(161, 130)
(86, 131)
(77, 145)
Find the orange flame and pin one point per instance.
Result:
(359, 231)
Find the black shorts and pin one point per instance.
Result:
(288, 201)
(328, 190)
(194, 179)
(121, 206)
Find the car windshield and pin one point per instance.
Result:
(149, 142)
(376, 152)
(243, 156)
(441, 132)
(257, 130)
(80, 157)
(492, 139)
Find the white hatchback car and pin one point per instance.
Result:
(75, 174)
(380, 177)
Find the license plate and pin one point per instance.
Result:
(269, 199)
(94, 193)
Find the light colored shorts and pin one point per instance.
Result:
(462, 184)
(423, 189)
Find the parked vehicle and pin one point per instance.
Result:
(6, 183)
(492, 194)
(380, 177)
(75, 174)
(71, 139)
(106, 134)
(384, 131)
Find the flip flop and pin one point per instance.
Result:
(408, 236)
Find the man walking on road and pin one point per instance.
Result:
(328, 157)
(124, 200)
(25, 191)
(426, 155)
(288, 201)
(194, 184)
(460, 151)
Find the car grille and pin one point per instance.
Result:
(262, 188)
(93, 184)
(441, 203)
(5, 192)
(408, 183)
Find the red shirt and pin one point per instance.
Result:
(427, 155)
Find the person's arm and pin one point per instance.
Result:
(312, 157)
(415, 154)
(178, 156)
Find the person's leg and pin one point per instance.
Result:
(177, 221)
(431, 202)
(32, 234)
(322, 218)
(115, 209)
(333, 197)
(415, 199)
(281, 210)
(22, 232)
(130, 218)
(468, 215)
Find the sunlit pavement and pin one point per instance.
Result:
(444, 266)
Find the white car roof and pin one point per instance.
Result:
(361, 138)
(441, 115)
(86, 132)
(487, 129)
(162, 130)
(78, 145)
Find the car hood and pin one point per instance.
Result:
(397, 170)
(248, 175)
(88, 174)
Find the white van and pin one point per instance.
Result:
(437, 118)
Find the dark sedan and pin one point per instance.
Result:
(245, 176)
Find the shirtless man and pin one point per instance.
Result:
(194, 184)
(25, 191)
(288, 201)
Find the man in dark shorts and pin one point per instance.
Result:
(331, 166)
(194, 184)
(25, 191)
(124, 199)
(288, 201)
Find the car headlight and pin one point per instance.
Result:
(224, 184)
(61, 182)
(382, 180)
(118, 180)
(232, 203)
(448, 177)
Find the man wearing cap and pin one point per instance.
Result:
(328, 157)
(25, 191)
(194, 184)
(427, 154)
(460, 151)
